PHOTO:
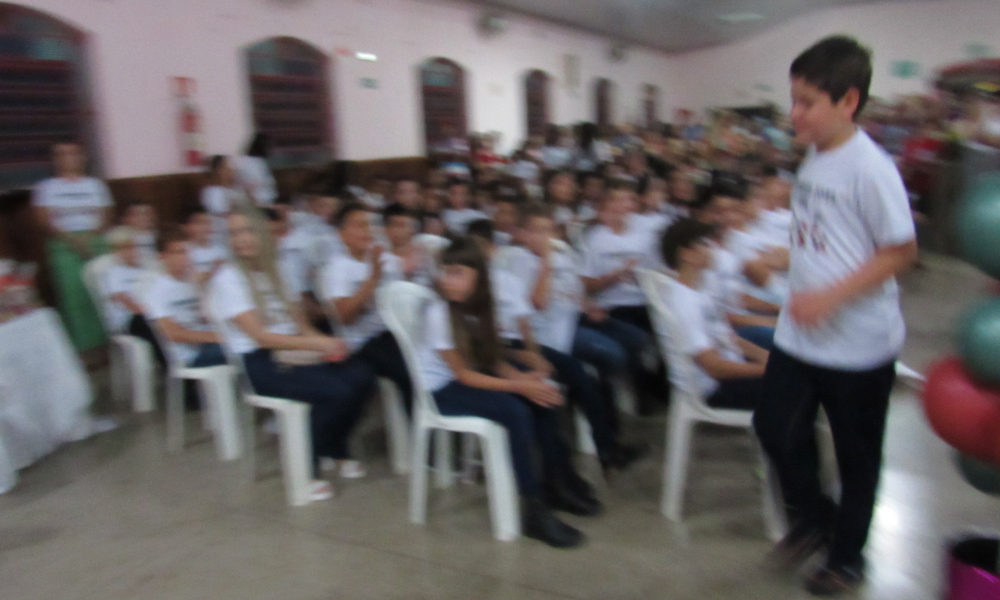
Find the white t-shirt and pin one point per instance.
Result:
(76, 205)
(324, 240)
(556, 157)
(705, 328)
(120, 279)
(229, 295)
(255, 174)
(847, 203)
(457, 221)
(293, 262)
(555, 326)
(177, 300)
(219, 201)
(146, 242)
(605, 251)
(724, 282)
(511, 303)
(204, 257)
(437, 336)
(655, 222)
(342, 277)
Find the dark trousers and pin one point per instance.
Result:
(528, 426)
(608, 355)
(337, 393)
(209, 355)
(581, 390)
(759, 335)
(138, 327)
(382, 354)
(740, 394)
(650, 386)
(856, 404)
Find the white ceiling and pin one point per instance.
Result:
(670, 25)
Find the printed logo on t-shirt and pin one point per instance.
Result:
(808, 203)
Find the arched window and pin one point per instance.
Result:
(442, 84)
(44, 95)
(289, 90)
(603, 88)
(536, 101)
(651, 104)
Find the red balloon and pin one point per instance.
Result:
(964, 412)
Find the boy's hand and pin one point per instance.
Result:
(812, 309)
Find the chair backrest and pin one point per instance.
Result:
(670, 333)
(243, 383)
(403, 306)
(93, 280)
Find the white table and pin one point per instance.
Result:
(45, 394)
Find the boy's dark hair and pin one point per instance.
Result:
(171, 236)
(346, 210)
(481, 228)
(271, 214)
(458, 181)
(395, 210)
(612, 185)
(215, 162)
(195, 211)
(530, 210)
(583, 176)
(835, 65)
(685, 233)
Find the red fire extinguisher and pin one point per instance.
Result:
(190, 122)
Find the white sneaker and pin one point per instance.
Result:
(320, 490)
(352, 469)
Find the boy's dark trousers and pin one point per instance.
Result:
(855, 403)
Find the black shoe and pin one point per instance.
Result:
(540, 524)
(573, 495)
(621, 456)
(798, 546)
(833, 581)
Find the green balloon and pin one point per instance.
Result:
(983, 476)
(978, 225)
(979, 340)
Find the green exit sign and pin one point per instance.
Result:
(978, 51)
(905, 69)
(369, 82)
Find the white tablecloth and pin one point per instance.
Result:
(45, 394)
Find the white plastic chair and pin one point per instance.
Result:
(397, 424)
(403, 305)
(688, 407)
(216, 384)
(294, 437)
(136, 354)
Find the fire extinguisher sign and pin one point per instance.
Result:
(188, 121)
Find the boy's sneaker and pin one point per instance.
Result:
(833, 581)
(796, 548)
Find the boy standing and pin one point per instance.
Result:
(838, 337)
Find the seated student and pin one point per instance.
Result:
(350, 282)
(769, 221)
(260, 317)
(407, 193)
(561, 195)
(505, 220)
(729, 368)
(651, 212)
(174, 306)
(141, 217)
(683, 191)
(460, 362)
(291, 251)
(315, 231)
(400, 226)
(591, 184)
(124, 310)
(221, 196)
(432, 223)
(758, 258)
(459, 213)
(206, 256)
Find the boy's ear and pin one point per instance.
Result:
(849, 102)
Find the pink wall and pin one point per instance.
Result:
(138, 45)
(932, 33)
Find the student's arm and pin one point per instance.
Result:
(178, 334)
(757, 271)
(756, 305)
(351, 308)
(537, 391)
(717, 367)
(810, 308)
(128, 302)
(250, 324)
(752, 352)
(599, 284)
(542, 294)
(740, 320)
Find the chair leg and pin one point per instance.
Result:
(296, 452)
(676, 464)
(397, 426)
(220, 401)
(175, 414)
(774, 513)
(470, 446)
(419, 454)
(247, 417)
(584, 435)
(140, 365)
(505, 511)
(444, 474)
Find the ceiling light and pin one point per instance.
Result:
(741, 17)
(366, 56)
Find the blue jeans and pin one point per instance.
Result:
(760, 335)
(209, 355)
(527, 425)
(606, 355)
(337, 393)
(633, 339)
(382, 354)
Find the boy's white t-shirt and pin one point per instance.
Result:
(342, 277)
(655, 222)
(724, 281)
(120, 279)
(177, 300)
(705, 328)
(510, 303)
(847, 203)
(203, 257)
(437, 336)
(220, 201)
(457, 221)
(293, 262)
(76, 205)
(229, 295)
(605, 251)
(255, 174)
(555, 326)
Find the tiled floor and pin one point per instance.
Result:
(116, 517)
